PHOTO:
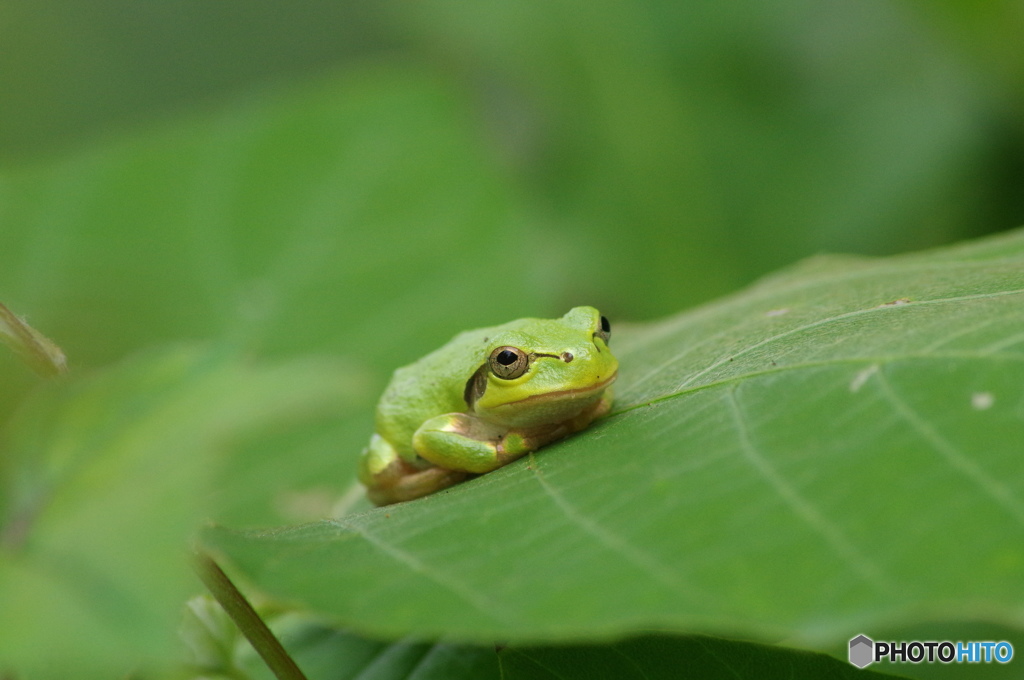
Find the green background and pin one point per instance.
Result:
(238, 218)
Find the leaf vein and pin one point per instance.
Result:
(881, 361)
(1003, 344)
(992, 487)
(618, 545)
(801, 507)
(946, 339)
(839, 317)
(722, 662)
(478, 601)
(535, 662)
(631, 661)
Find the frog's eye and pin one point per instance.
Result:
(508, 363)
(605, 331)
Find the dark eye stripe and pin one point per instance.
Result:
(475, 386)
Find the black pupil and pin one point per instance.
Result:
(605, 326)
(506, 357)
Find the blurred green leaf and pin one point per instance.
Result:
(322, 651)
(102, 481)
(706, 144)
(305, 220)
(662, 657)
(806, 458)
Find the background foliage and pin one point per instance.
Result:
(212, 205)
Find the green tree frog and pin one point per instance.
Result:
(486, 398)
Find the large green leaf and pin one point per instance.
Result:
(836, 448)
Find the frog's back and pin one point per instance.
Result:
(431, 386)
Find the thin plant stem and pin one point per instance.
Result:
(246, 618)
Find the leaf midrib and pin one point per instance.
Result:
(869, 360)
(822, 322)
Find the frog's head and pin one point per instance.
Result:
(543, 371)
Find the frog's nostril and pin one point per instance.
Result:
(567, 357)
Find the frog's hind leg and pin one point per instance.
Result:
(391, 479)
(410, 486)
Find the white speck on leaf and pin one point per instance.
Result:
(982, 400)
(776, 312)
(862, 377)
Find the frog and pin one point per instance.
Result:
(487, 398)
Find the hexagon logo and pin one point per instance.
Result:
(861, 651)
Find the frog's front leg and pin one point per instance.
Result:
(461, 441)
(391, 479)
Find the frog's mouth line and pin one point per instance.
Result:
(579, 391)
